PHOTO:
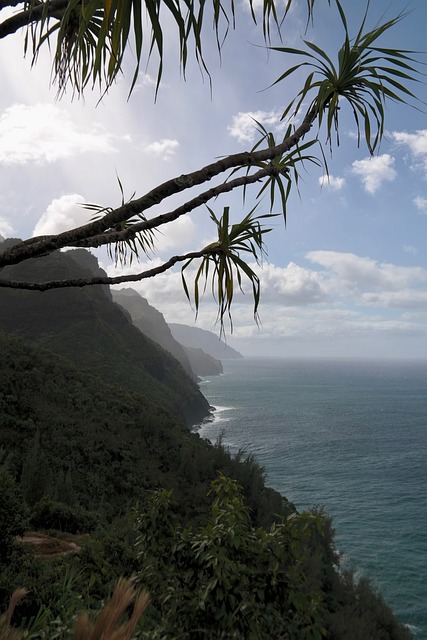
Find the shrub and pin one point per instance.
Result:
(48, 514)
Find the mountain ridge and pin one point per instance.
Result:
(208, 341)
(88, 328)
(152, 323)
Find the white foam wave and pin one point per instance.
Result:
(413, 629)
(220, 414)
(209, 429)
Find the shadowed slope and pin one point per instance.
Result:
(85, 326)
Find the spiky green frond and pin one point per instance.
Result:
(223, 265)
(125, 251)
(365, 76)
(284, 170)
(93, 35)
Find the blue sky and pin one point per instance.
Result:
(348, 275)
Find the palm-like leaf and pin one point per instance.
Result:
(79, 28)
(123, 252)
(130, 248)
(93, 35)
(365, 76)
(223, 265)
(283, 170)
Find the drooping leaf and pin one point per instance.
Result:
(365, 77)
(93, 36)
(228, 267)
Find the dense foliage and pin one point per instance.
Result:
(78, 440)
(86, 327)
(12, 512)
(228, 578)
(78, 455)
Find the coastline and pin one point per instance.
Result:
(206, 420)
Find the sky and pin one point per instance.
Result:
(347, 277)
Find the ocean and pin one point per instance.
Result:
(350, 436)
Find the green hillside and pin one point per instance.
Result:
(85, 326)
(114, 444)
(77, 454)
(152, 324)
(95, 456)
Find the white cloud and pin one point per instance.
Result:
(164, 149)
(256, 5)
(44, 133)
(367, 281)
(417, 143)
(244, 127)
(179, 236)
(374, 171)
(62, 214)
(335, 183)
(409, 248)
(291, 285)
(147, 80)
(421, 203)
(5, 227)
(345, 277)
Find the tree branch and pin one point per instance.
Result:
(39, 246)
(154, 223)
(83, 282)
(26, 17)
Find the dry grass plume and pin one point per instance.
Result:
(109, 624)
(106, 626)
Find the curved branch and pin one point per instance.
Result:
(154, 223)
(26, 17)
(40, 246)
(83, 282)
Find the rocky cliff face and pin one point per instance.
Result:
(152, 323)
(86, 326)
(209, 342)
(202, 363)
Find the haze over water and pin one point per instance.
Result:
(349, 435)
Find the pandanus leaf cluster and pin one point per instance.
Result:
(223, 264)
(92, 39)
(365, 77)
(93, 35)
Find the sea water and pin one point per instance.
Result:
(350, 436)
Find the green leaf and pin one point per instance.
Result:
(360, 78)
(228, 267)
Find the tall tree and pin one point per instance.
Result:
(90, 39)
